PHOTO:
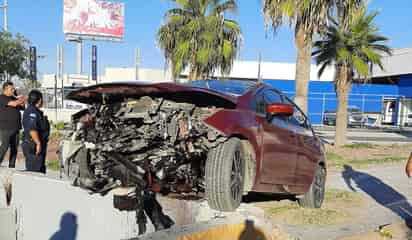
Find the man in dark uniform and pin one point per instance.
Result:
(36, 133)
(10, 122)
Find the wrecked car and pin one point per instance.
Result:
(178, 139)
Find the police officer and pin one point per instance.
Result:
(36, 133)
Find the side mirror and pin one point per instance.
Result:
(281, 109)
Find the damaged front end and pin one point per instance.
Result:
(147, 143)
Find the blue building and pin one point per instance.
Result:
(386, 99)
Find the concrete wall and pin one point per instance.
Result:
(47, 208)
(62, 115)
(405, 86)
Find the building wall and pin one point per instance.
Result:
(405, 86)
(322, 97)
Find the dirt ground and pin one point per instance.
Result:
(396, 231)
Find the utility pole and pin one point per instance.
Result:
(137, 62)
(79, 56)
(60, 70)
(5, 20)
(259, 79)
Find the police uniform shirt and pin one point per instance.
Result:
(33, 120)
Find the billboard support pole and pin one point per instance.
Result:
(79, 56)
(6, 27)
(60, 69)
(137, 62)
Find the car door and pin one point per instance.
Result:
(279, 144)
(308, 146)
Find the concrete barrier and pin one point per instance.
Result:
(48, 209)
(7, 224)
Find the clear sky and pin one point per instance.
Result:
(41, 22)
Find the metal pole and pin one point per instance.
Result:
(55, 97)
(259, 68)
(363, 104)
(137, 62)
(323, 108)
(79, 57)
(60, 70)
(6, 28)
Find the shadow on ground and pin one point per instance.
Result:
(68, 228)
(379, 191)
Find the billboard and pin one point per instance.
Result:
(92, 19)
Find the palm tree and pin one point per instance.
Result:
(353, 49)
(307, 17)
(197, 35)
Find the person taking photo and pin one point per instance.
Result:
(10, 122)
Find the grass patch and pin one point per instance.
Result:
(340, 162)
(334, 211)
(56, 135)
(335, 160)
(332, 195)
(292, 213)
(53, 165)
(360, 145)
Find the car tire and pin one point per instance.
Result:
(314, 197)
(224, 175)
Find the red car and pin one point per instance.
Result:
(188, 140)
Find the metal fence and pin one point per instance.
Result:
(378, 109)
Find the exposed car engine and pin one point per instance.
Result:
(150, 144)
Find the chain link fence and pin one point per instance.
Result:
(376, 110)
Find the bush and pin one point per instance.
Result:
(59, 125)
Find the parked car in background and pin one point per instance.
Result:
(355, 117)
(409, 121)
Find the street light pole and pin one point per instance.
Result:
(5, 20)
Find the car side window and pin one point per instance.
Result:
(298, 118)
(261, 100)
(272, 97)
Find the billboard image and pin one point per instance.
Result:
(92, 19)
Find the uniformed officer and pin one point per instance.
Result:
(36, 133)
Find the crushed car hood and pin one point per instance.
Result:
(118, 91)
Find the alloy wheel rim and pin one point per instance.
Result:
(319, 187)
(236, 177)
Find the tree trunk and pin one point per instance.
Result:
(343, 87)
(303, 62)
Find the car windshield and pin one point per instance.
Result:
(232, 87)
(353, 109)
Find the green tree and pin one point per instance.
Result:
(353, 49)
(307, 17)
(197, 35)
(14, 53)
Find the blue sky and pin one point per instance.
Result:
(41, 22)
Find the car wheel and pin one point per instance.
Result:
(225, 173)
(314, 197)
